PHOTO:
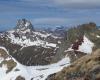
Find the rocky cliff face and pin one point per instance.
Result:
(23, 24)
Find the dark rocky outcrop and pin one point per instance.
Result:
(23, 24)
(20, 78)
(8, 61)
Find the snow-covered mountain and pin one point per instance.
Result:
(25, 41)
(25, 35)
(11, 69)
(29, 54)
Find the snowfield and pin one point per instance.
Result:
(85, 47)
(24, 42)
(32, 72)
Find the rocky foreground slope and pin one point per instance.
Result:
(85, 68)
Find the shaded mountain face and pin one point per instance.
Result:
(24, 24)
(28, 46)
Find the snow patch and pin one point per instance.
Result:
(98, 36)
(27, 24)
(86, 46)
(42, 35)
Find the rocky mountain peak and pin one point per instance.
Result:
(23, 24)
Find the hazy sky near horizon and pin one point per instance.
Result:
(49, 12)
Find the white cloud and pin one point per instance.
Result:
(52, 21)
(69, 3)
(78, 3)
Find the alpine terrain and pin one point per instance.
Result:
(60, 54)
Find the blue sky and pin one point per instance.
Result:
(49, 12)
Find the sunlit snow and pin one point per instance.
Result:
(85, 47)
(28, 42)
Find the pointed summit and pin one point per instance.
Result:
(24, 24)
